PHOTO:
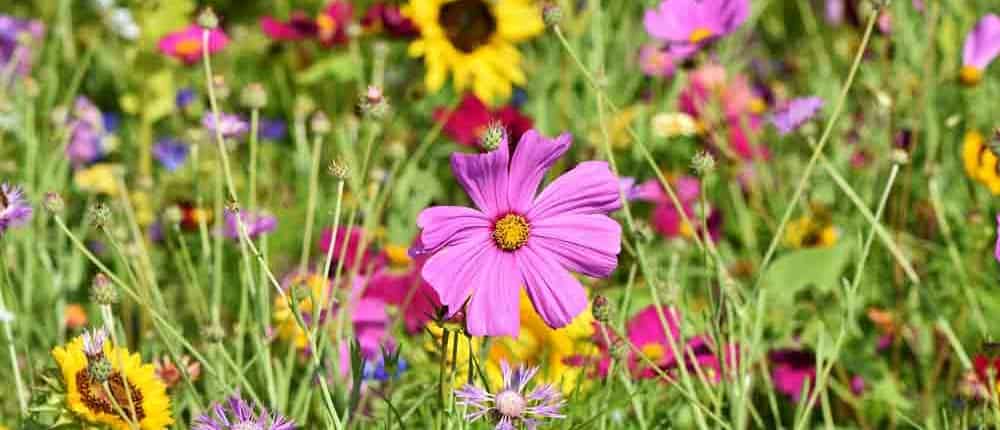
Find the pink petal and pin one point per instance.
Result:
(452, 270)
(442, 225)
(586, 244)
(495, 306)
(557, 296)
(982, 44)
(484, 178)
(278, 30)
(589, 188)
(532, 158)
(647, 327)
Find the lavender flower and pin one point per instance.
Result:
(184, 97)
(171, 153)
(230, 125)
(796, 113)
(256, 224)
(237, 414)
(511, 406)
(14, 209)
(93, 342)
(88, 131)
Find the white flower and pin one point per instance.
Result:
(673, 124)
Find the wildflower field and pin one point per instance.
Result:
(499, 214)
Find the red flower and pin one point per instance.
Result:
(328, 28)
(983, 364)
(471, 118)
(387, 17)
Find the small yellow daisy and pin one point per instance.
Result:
(980, 161)
(129, 382)
(475, 41)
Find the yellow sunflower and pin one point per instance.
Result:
(811, 232)
(475, 40)
(129, 382)
(557, 352)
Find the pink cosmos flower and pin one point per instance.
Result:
(417, 301)
(329, 27)
(347, 252)
(982, 45)
(186, 44)
(711, 89)
(658, 62)
(791, 369)
(688, 24)
(482, 257)
(665, 219)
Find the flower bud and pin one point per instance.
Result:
(214, 333)
(551, 14)
(99, 215)
(254, 96)
(601, 308)
(54, 203)
(102, 292)
(493, 136)
(703, 163)
(207, 19)
(339, 169)
(320, 123)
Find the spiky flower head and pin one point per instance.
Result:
(93, 342)
(54, 203)
(601, 308)
(14, 209)
(237, 414)
(102, 292)
(703, 163)
(493, 136)
(373, 103)
(339, 169)
(100, 215)
(512, 407)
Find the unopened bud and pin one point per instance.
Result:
(373, 103)
(320, 123)
(494, 136)
(207, 19)
(395, 150)
(214, 333)
(102, 292)
(551, 14)
(54, 203)
(899, 156)
(220, 86)
(254, 96)
(601, 308)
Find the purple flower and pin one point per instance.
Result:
(516, 238)
(982, 45)
(87, 134)
(688, 24)
(255, 223)
(12, 31)
(171, 153)
(791, 369)
(237, 414)
(512, 406)
(273, 129)
(14, 209)
(834, 11)
(795, 113)
(184, 98)
(231, 125)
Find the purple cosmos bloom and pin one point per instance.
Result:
(171, 153)
(237, 414)
(982, 45)
(273, 129)
(255, 223)
(14, 209)
(231, 125)
(516, 238)
(791, 369)
(687, 24)
(11, 48)
(795, 113)
(512, 406)
(87, 133)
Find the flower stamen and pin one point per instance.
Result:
(511, 232)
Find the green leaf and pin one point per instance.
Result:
(819, 267)
(340, 67)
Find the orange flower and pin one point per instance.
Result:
(75, 316)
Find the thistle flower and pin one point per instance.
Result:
(14, 209)
(982, 46)
(512, 406)
(795, 113)
(238, 414)
(93, 342)
(481, 258)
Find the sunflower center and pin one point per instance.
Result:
(511, 232)
(190, 46)
(94, 395)
(699, 35)
(468, 24)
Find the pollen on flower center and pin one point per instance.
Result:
(700, 34)
(188, 46)
(510, 403)
(468, 24)
(511, 232)
(94, 395)
(654, 352)
(970, 75)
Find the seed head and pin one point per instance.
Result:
(899, 156)
(493, 136)
(54, 203)
(254, 96)
(100, 215)
(320, 123)
(703, 163)
(338, 169)
(207, 19)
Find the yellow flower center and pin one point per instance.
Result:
(468, 24)
(654, 352)
(94, 395)
(970, 75)
(699, 35)
(188, 47)
(398, 255)
(327, 26)
(511, 232)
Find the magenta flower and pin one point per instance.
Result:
(982, 45)
(329, 28)
(711, 89)
(256, 223)
(347, 252)
(795, 113)
(665, 219)
(417, 301)
(186, 44)
(653, 337)
(14, 209)
(791, 369)
(658, 62)
(483, 257)
(688, 24)
(512, 407)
